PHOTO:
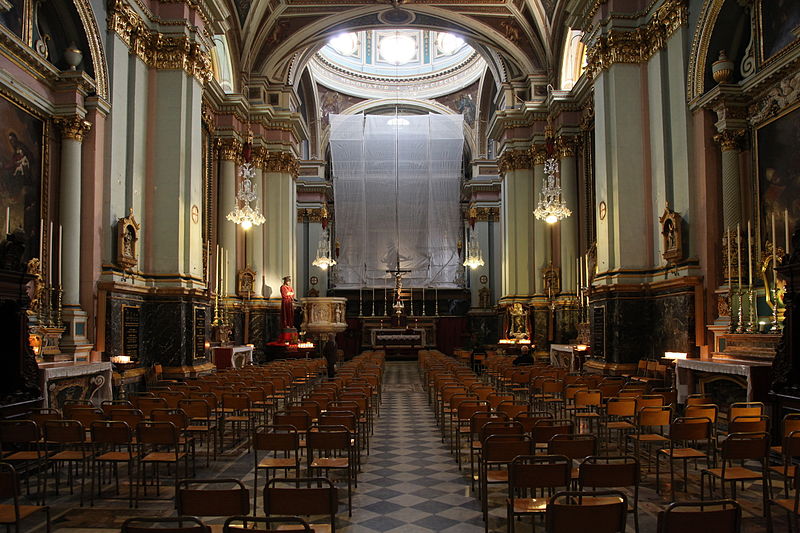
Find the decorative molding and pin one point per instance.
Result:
(282, 162)
(638, 45)
(565, 145)
(777, 99)
(539, 155)
(487, 214)
(730, 140)
(157, 50)
(514, 160)
(310, 214)
(74, 127)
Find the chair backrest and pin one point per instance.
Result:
(161, 433)
(177, 416)
(504, 448)
(84, 414)
(746, 409)
(178, 524)
(654, 416)
(327, 438)
(40, 416)
(790, 422)
(147, 404)
(512, 408)
(545, 429)
(195, 408)
(609, 472)
(64, 432)
(235, 400)
(111, 432)
(499, 427)
(9, 484)
(339, 418)
(791, 445)
(741, 446)
(301, 496)
(649, 400)
(299, 419)
(574, 446)
(566, 514)
(528, 419)
(699, 399)
(276, 438)
(702, 410)
(19, 432)
(588, 398)
(130, 416)
(749, 424)
(539, 471)
(621, 406)
(690, 429)
(215, 498)
(719, 516)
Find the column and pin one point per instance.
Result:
(569, 225)
(280, 171)
(541, 231)
(730, 142)
(518, 225)
(74, 342)
(255, 246)
(229, 152)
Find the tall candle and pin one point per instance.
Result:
(774, 243)
(41, 239)
(749, 257)
(423, 300)
(50, 255)
(730, 257)
(216, 267)
(60, 252)
(8, 216)
(739, 253)
(786, 228)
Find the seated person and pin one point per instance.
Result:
(524, 358)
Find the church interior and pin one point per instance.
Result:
(425, 257)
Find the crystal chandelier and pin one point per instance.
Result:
(474, 256)
(242, 212)
(551, 207)
(324, 259)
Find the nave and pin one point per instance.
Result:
(410, 479)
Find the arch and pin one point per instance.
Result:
(287, 58)
(573, 60)
(86, 14)
(695, 80)
(221, 63)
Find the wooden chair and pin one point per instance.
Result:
(25, 440)
(329, 448)
(236, 411)
(112, 444)
(790, 505)
(65, 443)
(620, 415)
(719, 516)
(790, 452)
(650, 424)
(566, 512)
(202, 422)
(685, 435)
(477, 422)
(178, 524)
(575, 446)
(529, 473)
(612, 472)
(790, 422)
(217, 497)
(300, 497)
(275, 439)
(546, 428)
(14, 513)
(498, 451)
(741, 447)
(159, 444)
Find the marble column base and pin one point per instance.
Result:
(74, 341)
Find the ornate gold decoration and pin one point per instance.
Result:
(208, 116)
(155, 49)
(36, 288)
(487, 214)
(587, 116)
(638, 45)
(514, 160)
(780, 97)
(127, 239)
(730, 140)
(723, 305)
(246, 282)
(671, 236)
(281, 162)
(229, 149)
(310, 214)
(565, 146)
(74, 127)
(695, 82)
(539, 155)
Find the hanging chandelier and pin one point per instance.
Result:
(324, 259)
(474, 256)
(551, 207)
(242, 213)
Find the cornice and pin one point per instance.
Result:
(512, 160)
(229, 149)
(74, 128)
(730, 140)
(283, 162)
(636, 45)
(158, 50)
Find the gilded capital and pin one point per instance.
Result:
(539, 155)
(730, 140)
(74, 128)
(229, 149)
(281, 162)
(514, 160)
(565, 146)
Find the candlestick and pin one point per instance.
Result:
(41, 240)
(60, 252)
(50, 255)
(786, 229)
(730, 263)
(360, 301)
(774, 244)
(423, 300)
(749, 257)
(8, 215)
(436, 300)
(739, 254)
(373, 301)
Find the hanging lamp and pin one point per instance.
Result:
(243, 213)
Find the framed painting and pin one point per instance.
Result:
(778, 167)
(22, 164)
(780, 25)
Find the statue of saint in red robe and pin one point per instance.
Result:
(287, 304)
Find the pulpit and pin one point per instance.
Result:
(323, 317)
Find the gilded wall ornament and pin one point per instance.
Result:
(512, 160)
(282, 162)
(74, 127)
(671, 236)
(229, 149)
(127, 239)
(729, 140)
(246, 282)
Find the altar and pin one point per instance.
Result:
(232, 356)
(75, 381)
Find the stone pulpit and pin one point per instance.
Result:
(323, 317)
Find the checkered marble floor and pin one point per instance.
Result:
(410, 482)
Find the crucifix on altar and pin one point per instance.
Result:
(398, 287)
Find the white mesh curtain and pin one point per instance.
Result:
(396, 181)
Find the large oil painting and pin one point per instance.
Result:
(780, 25)
(779, 171)
(12, 18)
(21, 137)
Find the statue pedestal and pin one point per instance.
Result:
(323, 317)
